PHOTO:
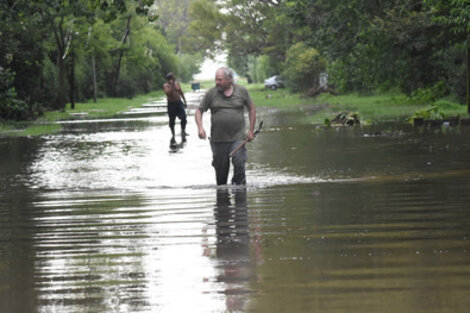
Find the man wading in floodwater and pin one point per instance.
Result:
(174, 104)
(227, 102)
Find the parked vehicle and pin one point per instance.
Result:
(274, 82)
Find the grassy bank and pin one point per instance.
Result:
(106, 107)
(103, 108)
(371, 109)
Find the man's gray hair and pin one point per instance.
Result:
(228, 73)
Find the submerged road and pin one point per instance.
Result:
(107, 217)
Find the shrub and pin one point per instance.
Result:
(428, 113)
(302, 67)
(126, 87)
(11, 108)
(188, 65)
(429, 95)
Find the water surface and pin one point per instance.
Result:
(106, 216)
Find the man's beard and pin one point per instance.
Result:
(222, 88)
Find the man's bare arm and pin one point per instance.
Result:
(181, 92)
(252, 117)
(200, 128)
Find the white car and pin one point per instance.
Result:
(274, 82)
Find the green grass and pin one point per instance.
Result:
(103, 108)
(5, 128)
(371, 109)
(386, 107)
(280, 98)
(28, 129)
(38, 130)
(374, 108)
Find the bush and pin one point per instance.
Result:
(188, 65)
(302, 67)
(429, 95)
(14, 109)
(11, 108)
(428, 113)
(126, 87)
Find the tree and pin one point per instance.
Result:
(244, 29)
(257, 28)
(51, 49)
(121, 50)
(21, 54)
(453, 17)
(61, 16)
(206, 29)
(303, 67)
(376, 44)
(174, 21)
(147, 59)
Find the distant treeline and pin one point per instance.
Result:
(58, 51)
(407, 45)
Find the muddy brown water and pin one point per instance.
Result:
(107, 217)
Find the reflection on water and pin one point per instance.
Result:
(111, 216)
(233, 248)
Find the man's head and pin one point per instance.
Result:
(223, 78)
(170, 76)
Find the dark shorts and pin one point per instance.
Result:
(176, 109)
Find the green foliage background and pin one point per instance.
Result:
(367, 46)
(52, 52)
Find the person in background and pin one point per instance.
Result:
(227, 102)
(175, 105)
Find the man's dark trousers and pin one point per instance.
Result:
(221, 162)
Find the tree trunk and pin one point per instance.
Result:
(61, 99)
(121, 53)
(93, 64)
(72, 80)
(468, 79)
(61, 92)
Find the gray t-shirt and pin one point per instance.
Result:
(227, 113)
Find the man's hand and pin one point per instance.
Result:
(202, 133)
(250, 135)
(200, 127)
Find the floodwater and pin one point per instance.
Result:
(107, 217)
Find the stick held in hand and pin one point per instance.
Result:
(246, 140)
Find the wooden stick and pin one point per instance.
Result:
(245, 141)
(238, 148)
